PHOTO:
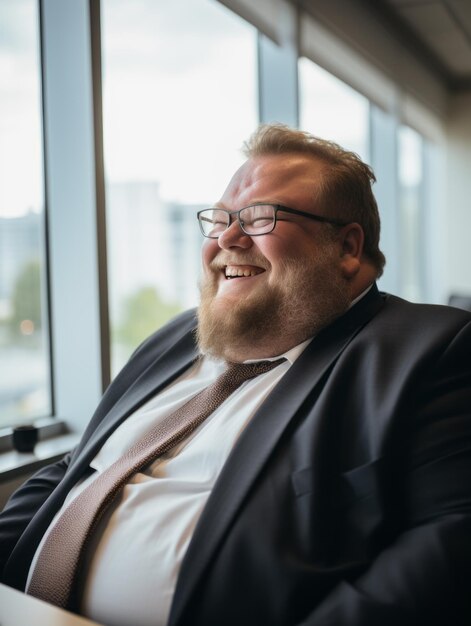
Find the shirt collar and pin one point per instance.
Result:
(362, 295)
(291, 355)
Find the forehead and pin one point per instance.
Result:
(281, 178)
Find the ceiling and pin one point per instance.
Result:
(438, 31)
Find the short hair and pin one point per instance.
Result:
(346, 180)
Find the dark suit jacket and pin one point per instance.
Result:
(347, 499)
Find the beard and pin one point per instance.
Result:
(309, 295)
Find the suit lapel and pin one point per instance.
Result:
(159, 374)
(258, 441)
(156, 377)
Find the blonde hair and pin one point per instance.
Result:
(345, 192)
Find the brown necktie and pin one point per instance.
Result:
(55, 573)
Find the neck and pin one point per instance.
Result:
(269, 344)
(268, 350)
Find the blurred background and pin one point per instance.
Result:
(119, 119)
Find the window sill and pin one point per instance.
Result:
(48, 427)
(16, 464)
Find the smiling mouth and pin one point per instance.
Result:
(241, 271)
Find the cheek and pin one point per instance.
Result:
(209, 250)
(271, 246)
(278, 250)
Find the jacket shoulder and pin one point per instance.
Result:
(165, 337)
(412, 313)
(149, 351)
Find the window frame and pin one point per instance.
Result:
(74, 181)
(75, 214)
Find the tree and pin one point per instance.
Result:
(26, 316)
(143, 312)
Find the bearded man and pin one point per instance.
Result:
(329, 484)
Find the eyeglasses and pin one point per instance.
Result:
(256, 219)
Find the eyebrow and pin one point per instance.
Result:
(218, 205)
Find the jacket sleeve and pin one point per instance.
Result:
(24, 504)
(29, 498)
(423, 576)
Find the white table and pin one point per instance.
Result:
(19, 609)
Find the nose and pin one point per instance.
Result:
(234, 237)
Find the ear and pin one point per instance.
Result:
(351, 239)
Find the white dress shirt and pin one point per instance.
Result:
(133, 560)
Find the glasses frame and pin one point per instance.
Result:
(277, 207)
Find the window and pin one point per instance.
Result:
(332, 110)
(411, 218)
(24, 351)
(179, 97)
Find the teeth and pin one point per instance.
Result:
(237, 272)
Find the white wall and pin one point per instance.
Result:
(457, 207)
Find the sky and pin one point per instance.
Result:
(20, 122)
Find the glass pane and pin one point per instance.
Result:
(179, 92)
(410, 151)
(332, 110)
(24, 351)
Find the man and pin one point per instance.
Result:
(333, 489)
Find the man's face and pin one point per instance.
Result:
(259, 294)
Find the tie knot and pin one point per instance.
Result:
(245, 371)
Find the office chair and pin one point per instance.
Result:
(460, 301)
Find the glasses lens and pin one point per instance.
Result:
(258, 219)
(213, 222)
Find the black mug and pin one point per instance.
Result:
(25, 438)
